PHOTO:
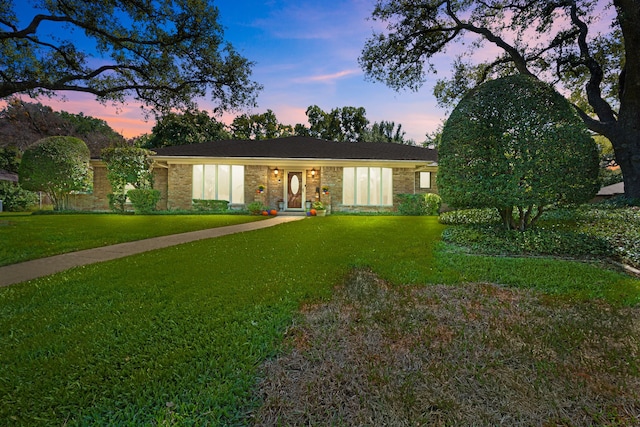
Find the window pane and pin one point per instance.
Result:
(237, 179)
(224, 182)
(375, 186)
(348, 197)
(425, 179)
(362, 186)
(387, 186)
(197, 182)
(209, 192)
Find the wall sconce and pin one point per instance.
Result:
(313, 172)
(275, 171)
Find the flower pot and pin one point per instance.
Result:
(321, 212)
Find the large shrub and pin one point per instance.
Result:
(15, 198)
(419, 204)
(144, 200)
(127, 165)
(516, 145)
(56, 165)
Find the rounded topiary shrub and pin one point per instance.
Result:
(516, 145)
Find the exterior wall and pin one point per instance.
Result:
(98, 201)
(175, 185)
(434, 183)
(161, 182)
(331, 176)
(404, 181)
(255, 176)
(179, 187)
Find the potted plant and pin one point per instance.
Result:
(319, 207)
(325, 189)
(260, 189)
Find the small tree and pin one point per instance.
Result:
(56, 165)
(127, 165)
(516, 145)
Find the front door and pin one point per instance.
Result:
(294, 190)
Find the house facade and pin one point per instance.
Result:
(287, 174)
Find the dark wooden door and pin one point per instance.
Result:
(294, 190)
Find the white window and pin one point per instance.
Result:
(367, 186)
(425, 179)
(218, 182)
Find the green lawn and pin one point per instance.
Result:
(177, 335)
(26, 237)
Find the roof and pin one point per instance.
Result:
(8, 176)
(300, 147)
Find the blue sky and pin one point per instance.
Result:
(306, 52)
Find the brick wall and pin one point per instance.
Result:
(161, 182)
(179, 187)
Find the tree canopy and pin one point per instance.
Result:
(515, 142)
(568, 43)
(259, 126)
(56, 165)
(163, 53)
(23, 123)
(188, 128)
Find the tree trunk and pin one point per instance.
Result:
(626, 144)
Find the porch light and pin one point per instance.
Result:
(275, 171)
(313, 172)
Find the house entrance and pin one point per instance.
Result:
(294, 190)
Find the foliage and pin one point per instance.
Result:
(188, 128)
(144, 200)
(419, 204)
(127, 165)
(211, 205)
(23, 123)
(470, 216)
(259, 126)
(175, 336)
(386, 132)
(539, 241)
(9, 159)
(256, 208)
(318, 205)
(56, 165)
(518, 146)
(163, 53)
(346, 124)
(15, 198)
(562, 43)
(607, 230)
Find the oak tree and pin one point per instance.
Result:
(163, 53)
(565, 42)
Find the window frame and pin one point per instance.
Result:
(358, 186)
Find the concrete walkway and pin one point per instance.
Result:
(28, 270)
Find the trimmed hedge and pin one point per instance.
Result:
(144, 200)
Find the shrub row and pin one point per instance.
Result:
(419, 204)
(602, 230)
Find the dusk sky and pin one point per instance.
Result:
(306, 52)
